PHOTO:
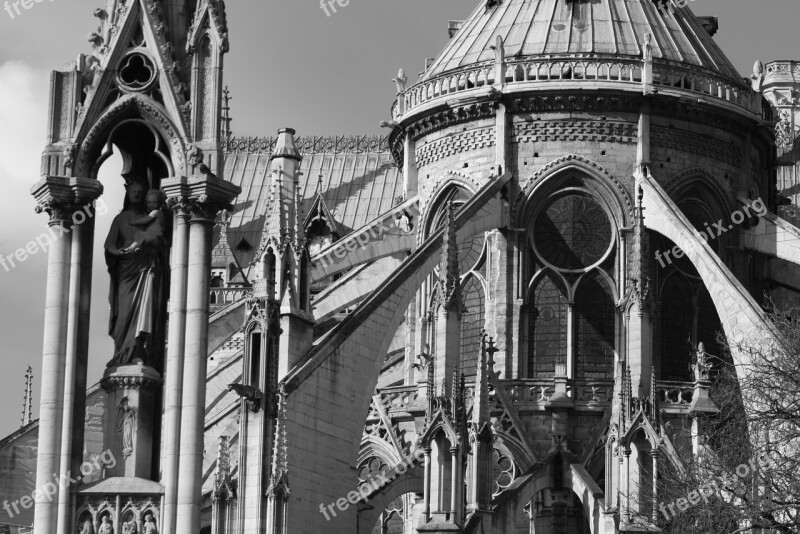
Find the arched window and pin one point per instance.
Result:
(548, 326)
(472, 322)
(594, 329)
(571, 311)
(677, 312)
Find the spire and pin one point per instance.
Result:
(280, 460)
(640, 267)
(626, 394)
(480, 409)
(653, 393)
(284, 222)
(226, 114)
(449, 270)
(27, 401)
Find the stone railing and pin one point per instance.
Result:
(222, 296)
(400, 397)
(606, 73)
(538, 391)
(677, 394)
(782, 72)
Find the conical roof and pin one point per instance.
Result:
(553, 28)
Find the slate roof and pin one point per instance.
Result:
(359, 180)
(552, 28)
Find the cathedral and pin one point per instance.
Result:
(495, 318)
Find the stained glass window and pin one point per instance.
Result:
(472, 322)
(573, 232)
(548, 328)
(594, 329)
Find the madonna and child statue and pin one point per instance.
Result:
(137, 255)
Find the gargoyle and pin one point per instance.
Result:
(251, 394)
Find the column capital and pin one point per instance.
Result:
(60, 196)
(200, 197)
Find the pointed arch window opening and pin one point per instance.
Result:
(571, 317)
(472, 256)
(144, 152)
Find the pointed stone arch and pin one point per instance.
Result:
(711, 187)
(545, 180)
(90, 154)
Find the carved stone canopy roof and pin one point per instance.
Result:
(559, 28)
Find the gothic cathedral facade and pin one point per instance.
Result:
(484, 321)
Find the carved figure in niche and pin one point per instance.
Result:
(137, 255)
(106, 527)
(129, 527)
(126, 425)
(86, 527)
(150, 524)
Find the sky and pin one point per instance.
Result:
(289, 65)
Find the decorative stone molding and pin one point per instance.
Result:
(144, 379)
(202, 197)
(310, 145)
(451, 117)
(129, 382)
(573, 131)
(147, 107)
(558, 102)
(456, 143)
(60, 196)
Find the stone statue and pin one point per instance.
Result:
(703, 366)
(86, 527)
(137, 255)
(126, 425)
(129, 527)
(106, 527)
(150, 524)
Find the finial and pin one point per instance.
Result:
(226, 113)
(27, 402)
(490, 350)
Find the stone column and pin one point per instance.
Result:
(173, 377)
(53, 367)
(190, 464)
(59, 197)
(204, 196)
(80, 294)
(427, 495)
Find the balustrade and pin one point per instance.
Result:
(627, 73)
